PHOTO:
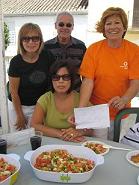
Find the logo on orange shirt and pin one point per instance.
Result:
(125, 65)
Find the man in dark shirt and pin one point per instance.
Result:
(64, 46)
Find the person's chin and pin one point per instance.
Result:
(62, 90)
(65, 35)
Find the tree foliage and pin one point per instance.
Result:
(6, 35)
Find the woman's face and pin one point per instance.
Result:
(61, 80)
(31, 42)
(113, 28)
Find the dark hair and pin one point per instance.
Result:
(69, 66)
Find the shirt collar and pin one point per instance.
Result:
(72, 41)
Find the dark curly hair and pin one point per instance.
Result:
(60, 64)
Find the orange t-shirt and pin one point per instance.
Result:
(111, 69)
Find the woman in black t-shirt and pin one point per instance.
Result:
(28, 76)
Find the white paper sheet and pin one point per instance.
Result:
(96, 117)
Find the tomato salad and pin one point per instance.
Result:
(6, 169)
(96, 147)
(61, 161)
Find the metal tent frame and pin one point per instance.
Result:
(3, 97)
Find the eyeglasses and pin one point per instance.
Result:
(65, 77)
(68, 25)
(33, 38)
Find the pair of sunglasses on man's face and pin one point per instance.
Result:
(62, 24)
(57, 77)
(33, 39)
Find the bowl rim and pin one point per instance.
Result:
(5, 156)
(131, 153)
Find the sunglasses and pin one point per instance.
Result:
(57, 77)
(68, 25)
(33, 38)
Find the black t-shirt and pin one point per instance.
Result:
(34, 77)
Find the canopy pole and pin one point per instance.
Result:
(3, 95)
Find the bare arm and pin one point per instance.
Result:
(70, 134)
(14, 86)
(121, 102)
(86, 91)
(37, 122)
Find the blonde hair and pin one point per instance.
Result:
(110, 12)
(24, 30)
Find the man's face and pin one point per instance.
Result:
(64, 26)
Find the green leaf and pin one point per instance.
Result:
(6, 35)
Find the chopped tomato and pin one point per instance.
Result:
(10, 168)
(61, 161)
(3, 177)
(6, 169)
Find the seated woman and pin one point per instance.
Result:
(54, 107)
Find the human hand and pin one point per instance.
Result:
(79, 139)
(71, 119)
(72, 134)
(118, 102)
(20, 123)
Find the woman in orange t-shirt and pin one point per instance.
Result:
(110, 67)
